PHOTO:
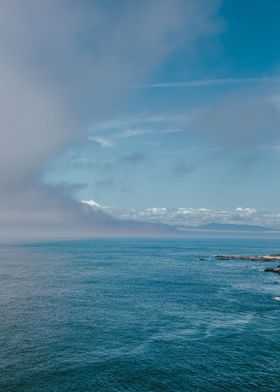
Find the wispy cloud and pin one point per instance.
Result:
(110, 139)
(210, 82)
(108, 133)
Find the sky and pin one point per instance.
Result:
(138, 117)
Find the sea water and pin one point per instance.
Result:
(138, 315)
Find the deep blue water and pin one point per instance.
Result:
(138, 315)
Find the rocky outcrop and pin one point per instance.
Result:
(250, 258)
(276, 269)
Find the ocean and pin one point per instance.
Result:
(138, 315)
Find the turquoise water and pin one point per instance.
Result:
(138, 315)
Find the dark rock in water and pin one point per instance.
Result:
(273, 257)
(275, 270)
(251, 258)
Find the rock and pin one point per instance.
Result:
(251, 258)
(275, 270)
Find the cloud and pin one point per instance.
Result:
(60, 63)
(212, 82)
(182, 169)
(115, 173)
(242, 119)
(109, 133)
(111, 138)
(195, 217)
(133, 158)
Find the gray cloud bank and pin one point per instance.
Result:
(60, 62)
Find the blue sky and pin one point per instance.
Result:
(162, 111)
(160, 148)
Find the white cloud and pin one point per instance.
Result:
(91, 203)
(245, 211)
(108, 133)
(102, 141)
(193, 217)
(211, 82)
